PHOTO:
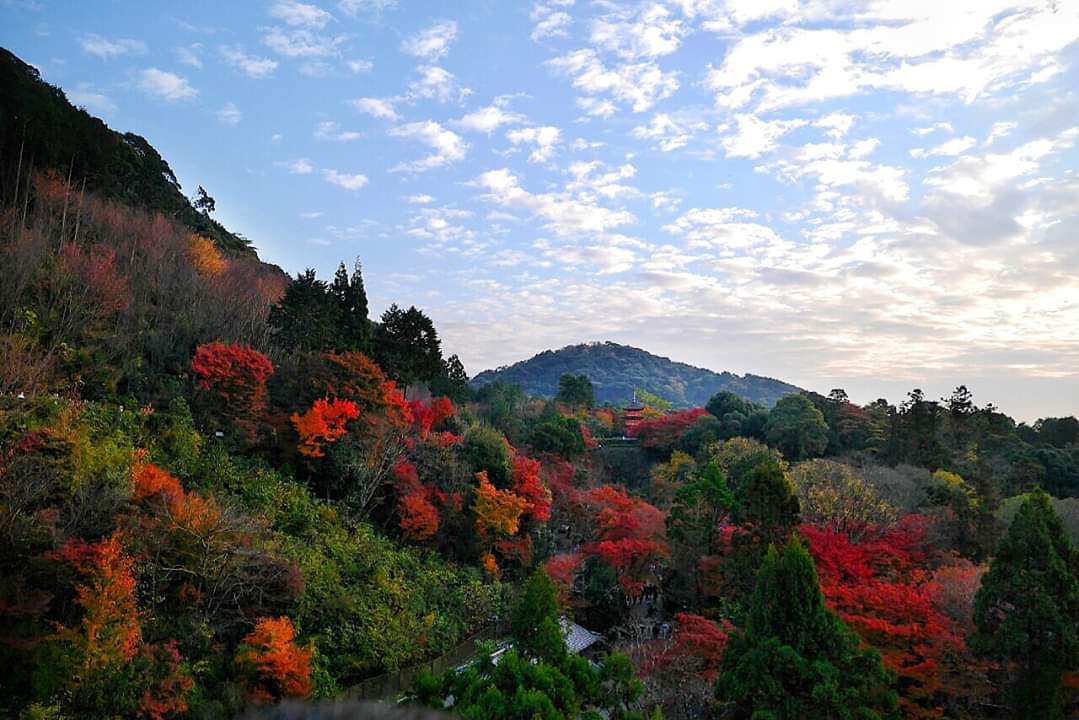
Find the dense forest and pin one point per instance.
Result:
(617, 372)
(221, 487)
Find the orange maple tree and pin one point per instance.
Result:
(110, 634)
(323, 424)
(497, 511)
(277, 666)
(419, 516)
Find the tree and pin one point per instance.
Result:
(797, 428)
(277, 667)
(576, 391)
(306, 318)
(452, 381)
(236, 374)
(837, 496)
(203, 202)
(498, 512)
(407, 346)
(1027, 609)
(795, 659)
(486, 450)
(323, 424)
(353, 323)
(534, 624)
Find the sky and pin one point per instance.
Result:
(875, 195)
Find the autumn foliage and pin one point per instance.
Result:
(277, 666)
(323, 424)
(110, 634)
(237, 374)
(498, 512)
(664, 433)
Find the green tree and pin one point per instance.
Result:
(305, 319)
(354, 327)
(795, 658)
(576, 391)
(1027, 609)
(486, 449)
(797, 428)
(534, 624)
(407, 346)
(452, 381)
(766, 503)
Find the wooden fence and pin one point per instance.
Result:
(388, 686)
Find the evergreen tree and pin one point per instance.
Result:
(1027, 609)
(452, 381)
(353, 323)
(305, 320)
(576, 391)
(407, 347)
(797, 428)
(796, 659)
(534, 624)
(766, 502)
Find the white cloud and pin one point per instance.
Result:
(300, 14)
(301, 43)
(638, 84)
(755, 136)
(189, 55)
(489, 119)
(106, 48)
(836, 125)
(330, 130)
(650, 32)
(955, 146)
(229, 114)
(999, 130)
(981, 177)
(352, 8)
(250, 65)
(448, 146)
(300, 166)
(564, 213)
(960, 49)
(312, 215)
(96, 102)
(432, 43)
(358, 67)
(344, 180)
(550, 21)
(542, 139)
(667, 133)
(419, 199)
(436, 83)
(375, 107)
(165, 85)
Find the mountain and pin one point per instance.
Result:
(617, 370)
(40, 129)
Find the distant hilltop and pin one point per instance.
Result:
(617, 370)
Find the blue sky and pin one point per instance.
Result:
(873, 195)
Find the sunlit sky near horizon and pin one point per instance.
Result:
(870, 195)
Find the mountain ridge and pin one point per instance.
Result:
(616, 370)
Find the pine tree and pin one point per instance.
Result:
(796, 659)
(353, 323)
(535, 622)
(1027, 609)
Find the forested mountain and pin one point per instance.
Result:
(39, 128)
(617, 370)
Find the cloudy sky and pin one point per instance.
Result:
(874, 195)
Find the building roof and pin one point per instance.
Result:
(577, 638)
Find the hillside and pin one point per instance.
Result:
(616, 370)
(40, 129)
